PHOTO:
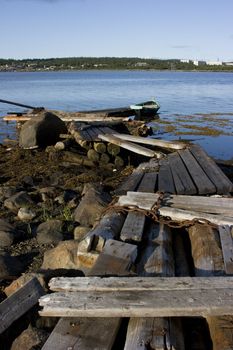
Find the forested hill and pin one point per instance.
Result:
(83, 63)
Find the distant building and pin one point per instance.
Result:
(214, 63)
(228, 63)
(184, 61)
(141, 64)
(199, 63)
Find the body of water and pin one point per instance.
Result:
(180, 94)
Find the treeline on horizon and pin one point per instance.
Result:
(72, 63)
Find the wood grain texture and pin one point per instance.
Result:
(83, 334)
(156, 303)
(19, 303)
(227, 248)
(220, 180)
(199, 177)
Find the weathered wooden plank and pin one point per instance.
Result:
(141, 200)
(199, 177)
(157, 303)
(156, 259)
(206, 250)
(148, 182)
(212, 205)
(153, 142)
(115, 259)
(140, 284)
(182, 215)
(19, 303)
(133, 227)
(146, 201)
(130, 184)
(220, 180)
(227, 248)
(181, 177)
(208, 261)
(165, 179)
(83, 334)
(128, 145)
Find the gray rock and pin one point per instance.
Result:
(7, 234)
(26, 214)
(50, 232)
(31, 338)
(17, 201)
(41, 131)
(10, 266)
(91, 205)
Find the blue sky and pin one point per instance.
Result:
(200, 29)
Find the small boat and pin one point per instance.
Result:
(145, 109)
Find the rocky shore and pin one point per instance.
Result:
(47, 206)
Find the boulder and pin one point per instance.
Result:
(8, 234)
(61, 257)
(26, 214)
(80, 232)
(19, 200)
(31, 338)
(41, 131)
(50, 232)
(92, 204)
(10, 266)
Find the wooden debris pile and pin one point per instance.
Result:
(158, 295)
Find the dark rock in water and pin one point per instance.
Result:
(10, 266)
(50, 232)
(31, 338)
(17, 201)
(41, 131)
(92, 205)
(7, 234)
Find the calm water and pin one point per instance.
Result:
(179, 93)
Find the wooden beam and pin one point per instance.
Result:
(83, 334)
(199, 177)
(139, 284)
(116, 258)
(220, 180)
(153, 142)
(129, 146)
(181, 177)
(169, 297)
(212, 205)
(208, 261)
(165, 181)
(227, 248)
(19, 303)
